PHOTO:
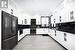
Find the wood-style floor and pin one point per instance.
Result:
(37, 42)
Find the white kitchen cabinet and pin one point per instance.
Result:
(25, 32)
(42, 31)
(69, 43)
(52, 33)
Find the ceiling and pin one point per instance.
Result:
(37, 7)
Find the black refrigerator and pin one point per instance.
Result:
(9, 31)
(33, 27)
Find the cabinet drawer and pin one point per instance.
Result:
(9, 43)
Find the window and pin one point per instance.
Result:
(45, 21)
(4, 4)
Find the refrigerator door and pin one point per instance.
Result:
(14, 27)
(6, 25)
(33, 27)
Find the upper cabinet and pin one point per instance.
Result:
(65, 12)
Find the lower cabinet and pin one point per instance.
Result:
(25, 32)
(65, 39)
(42, 31)
(70, 43)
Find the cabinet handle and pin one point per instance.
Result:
(55, 32)
(65, 39)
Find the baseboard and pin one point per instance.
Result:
(38, 34)
(45, 35)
